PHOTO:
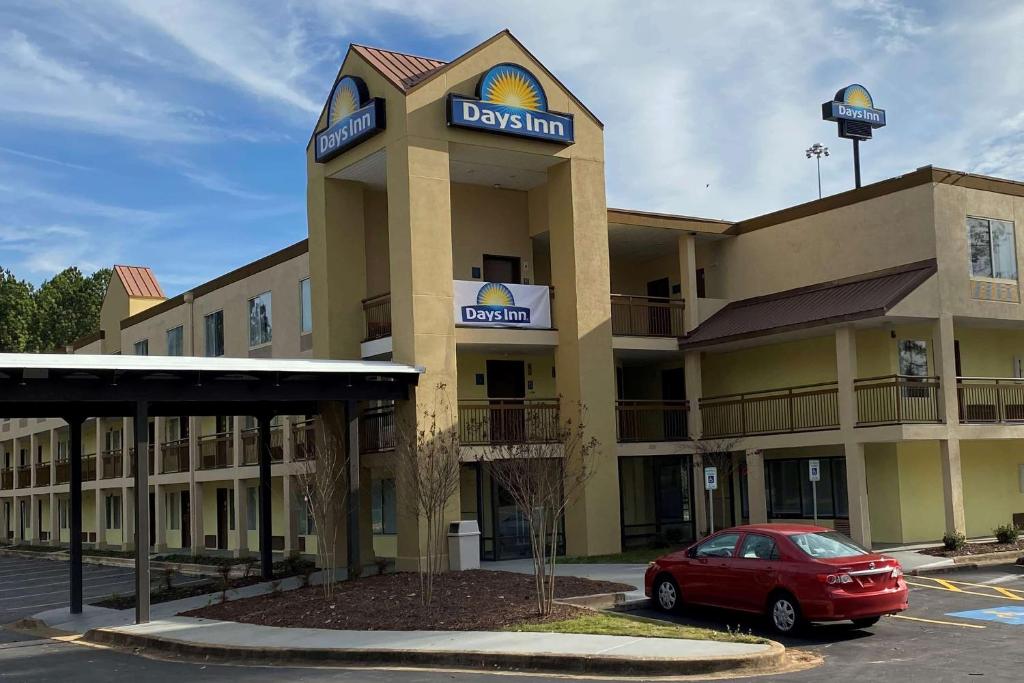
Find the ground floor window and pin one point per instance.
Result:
(655, 495)
(113, 512)
(307, 522)
(252, 503)
(62, 512)
(791, 494)
(384, 507)
(173, 510)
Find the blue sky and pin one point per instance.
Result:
(172, 133)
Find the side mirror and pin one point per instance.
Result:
(691, 552)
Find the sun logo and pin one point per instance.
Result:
(512, 86)
(495, 294)
(858, 96)
(346, 100)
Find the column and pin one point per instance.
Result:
(846, 373)
(756, 499)
(241, 517)
(289, 504)
(952, 485)
(578, 221)
(287, 439)
(33, 524)
(857, 493)
(32, 445)
(128, 518)
(128, 429)
(141, 513)
(688, 280)
(99, 495)
(944, 354)
(265, 523)
(694, 390)
(198, 528)
(158, 434)
(236, 440)
(75, 511)
(98, 450)
(160, 518)
(54, 516)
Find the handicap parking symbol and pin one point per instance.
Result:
(1011, 614)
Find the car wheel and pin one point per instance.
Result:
(866, 622)
(666, 594)
(784, 614)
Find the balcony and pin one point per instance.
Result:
(988, 400)
(43, 474)
(250, 449)
(805, 408)
(62, 472)
(215, 451)
(651, 420)
(174, 456)
(24, 476)
(488, 422)
(647, 316)
(304, 440)
(89, 467)
(377, 315)
(377, 429)
(6, 478)
(131, 460)
(113, 464)
(896, 399)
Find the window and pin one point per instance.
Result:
(305, 307)
(175, 341)
(827, 545)
(214, 326)
(142, 348)
(913, 363)
(758, 547)
(718, 546)
(993, 253)
(259, 320)
(62, 512)
(252, 512)
(384, 507)
(173, 510)
(112, 440)
(113, 512)
(791, 495)
(307, 524)
(231, 509)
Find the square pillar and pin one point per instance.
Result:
(694, 391)
(756, 498)
(857, 493)
(241, 517)
(128, 519)
(160, 518)
(158, 441)
(287, 439)
(99, 507)
(98, 476)
(197, 526)
(54, 518)
(943, 351)
(952, 485)
(846, 373)
(236, 441)
(688, 280)
(32, 443)
(291, 499)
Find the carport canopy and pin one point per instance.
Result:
(75, 387)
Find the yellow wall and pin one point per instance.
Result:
(992, 484)
(630, 276)
(488, 221)
(805, 361)
(470, 364)
(921, 507)
(883, 483)
(989, 352)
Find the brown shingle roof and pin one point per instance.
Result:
(403, 70)
(863, 296)
(139, 282)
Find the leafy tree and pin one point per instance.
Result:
(16, 312)
(67, 307)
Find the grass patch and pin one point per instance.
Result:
(634, 556)
(607, 624)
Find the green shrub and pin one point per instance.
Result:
(1006, 533)
(954, 540)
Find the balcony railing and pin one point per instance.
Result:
(805, 408)
(174, 456)
(89, 467)
(113, 464)
(647, 316)
(896, 399)
(62, 472)
(131, 460)
(215, 451)
(377, 429)
(7, 478)
(304, 440)
(377, 313)
(250, 447)
(651, 420)
(484, 422)
(989, 400)
(24, 476)
(43, 474)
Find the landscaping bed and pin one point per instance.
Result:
(605, 624)
(972, 549)
(477, 600)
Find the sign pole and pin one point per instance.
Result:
(856, 162)
(711, 510)
(814, 496)
(814, 475)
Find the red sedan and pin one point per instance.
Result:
(793, 573)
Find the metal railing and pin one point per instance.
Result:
(639, 420)
(89, 467)
(113, 464)
(131, 460)
(174, 456)
(250, 446)
(492, 421)
(43, 474)
(647, 316)
(215, 451)
(6, 478)
(896, 399)
(377, 429)
(24, 474)
(990, 400)
(304, 440)
(377, 315)
(62, 472)
(804, 408)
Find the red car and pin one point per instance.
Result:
(793, 573)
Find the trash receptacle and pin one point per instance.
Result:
(463, 545)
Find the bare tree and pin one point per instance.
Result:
(427, 471)
(543, 479)
(716, 453)
(323, 481)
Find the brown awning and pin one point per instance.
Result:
(862, 296)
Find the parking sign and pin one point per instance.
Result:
(710, 478)
(814, 470)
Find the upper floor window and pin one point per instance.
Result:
(993, 253)
(176, 341)
(214, 324)
(142, 348)
(259, 320)
(305, 307)
(913, 358)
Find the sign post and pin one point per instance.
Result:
(854, 111)
(711, 483)
(814, 474)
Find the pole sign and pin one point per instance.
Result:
(854, 111)
(352, 117)
(814, 470)
(710, 478)
(510, 100)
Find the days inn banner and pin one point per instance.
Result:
(498, 304)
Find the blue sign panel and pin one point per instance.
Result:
(1011, 614)
(510, 100)
(840, 110)
(352, 117)
(854, 110)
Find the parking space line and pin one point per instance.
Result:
(964, 592)
(987, 584)
(936, 621)
(947, 585)
(1008, 592)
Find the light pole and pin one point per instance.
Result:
(817, 150)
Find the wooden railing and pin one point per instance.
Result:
(215, 451)
(62, 472)
(896, 399)
(43, 474)
(113, 464)
(508, 420)
(131, 460)
(651, 420)
(7, 478)
(991, 399)
(377, 314)
(377, 429)
(24, 476)
(805, 408)
(174, 456)
(647, 316)
(250, 447)
(89, 467)
(304, 440)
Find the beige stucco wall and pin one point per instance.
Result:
(489, 221)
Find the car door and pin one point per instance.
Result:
(754, 572)
(707, 569)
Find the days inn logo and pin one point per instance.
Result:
(352, 117)
(495, 304)
(854, 104)
(510, 100)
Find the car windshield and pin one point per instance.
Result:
(827, 544)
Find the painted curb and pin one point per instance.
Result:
(968, 562)
(761, 662)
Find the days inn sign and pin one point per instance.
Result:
(352, 117)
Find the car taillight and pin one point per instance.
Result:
(835, 579)
(896, 572)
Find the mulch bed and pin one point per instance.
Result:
(476, 600)
(975, 549)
